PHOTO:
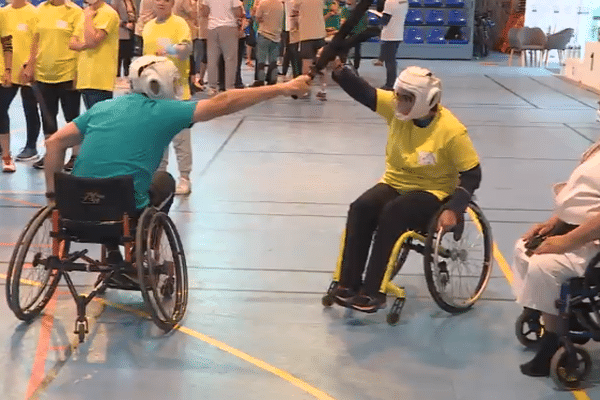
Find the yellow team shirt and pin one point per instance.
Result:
(429, 158)
(21, 24)
(56, 24)
(97, 68)
(172, 31)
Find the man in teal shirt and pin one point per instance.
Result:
(128, 135)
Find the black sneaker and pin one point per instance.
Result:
(69, 165)
(368, 304)
(39, 164)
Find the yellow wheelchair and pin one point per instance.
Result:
(457, 271)
(101, 212)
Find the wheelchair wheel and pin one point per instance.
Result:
(457, 271)
(31, 283)
(13, 256)
(162, 269)
(568, 371)
(529, 328)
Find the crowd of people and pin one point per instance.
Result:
(59, 53)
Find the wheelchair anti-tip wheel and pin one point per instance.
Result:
(569, 370)
(529, 328)
(30, 285)
(162, 268)
(457, 271)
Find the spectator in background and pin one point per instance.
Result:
(291, 55)
(331, 13)
(200, 50)
(222, 38)
(308, 17)
(392, 34)
(17, 20)
(53, 64)
(269, 15)
(146, 14)
(127, 17)
(361, 27)
(169, 35)
(188, 10)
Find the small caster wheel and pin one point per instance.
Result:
(529, 328)
(394, 315)
(568, 371)
(327, 300)
(392, 318)
(81, 331)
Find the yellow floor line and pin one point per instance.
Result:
(318, 394)
(501, 261)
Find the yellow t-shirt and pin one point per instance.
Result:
(97, 68)
(21, 24)
(429, 158)
(56, 24)
(172, 31)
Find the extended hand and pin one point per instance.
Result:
(299, 86)
(447, 220)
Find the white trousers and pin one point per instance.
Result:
(182, 143)
(537, 279)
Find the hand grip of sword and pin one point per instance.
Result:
(337, 44)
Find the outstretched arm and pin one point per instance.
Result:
(235, 100)
(354, 85)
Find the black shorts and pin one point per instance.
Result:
(309, 48)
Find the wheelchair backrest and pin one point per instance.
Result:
(91, 209)
(94, 199)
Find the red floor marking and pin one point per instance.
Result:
(41, 354)
(27, 203)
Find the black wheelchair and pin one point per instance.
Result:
(579, 310)
(102, 212)
(457, 266)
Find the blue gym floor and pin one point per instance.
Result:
(270, 190)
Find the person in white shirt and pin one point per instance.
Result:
(392, 34)
(222, 38)
(556, 250)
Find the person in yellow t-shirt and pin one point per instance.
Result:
(97, 42)
(7, 53)
(169, 35)
(430, 164)
(20, 19)
(53, 64)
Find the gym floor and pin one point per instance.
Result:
(271, 187)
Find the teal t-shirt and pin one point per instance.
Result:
(127, 136)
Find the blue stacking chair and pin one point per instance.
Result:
(414, 36)
(435, 17)
(414, 3)
(414, 17)
(436, 36)
(373, 20)
(432, 3)
(457, 17)
(455, 3)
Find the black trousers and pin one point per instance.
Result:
(125, 55)
(52, 93)
(32, 117)
(388, 56)
(375, 222)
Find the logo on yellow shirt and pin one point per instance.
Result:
(426, 158)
